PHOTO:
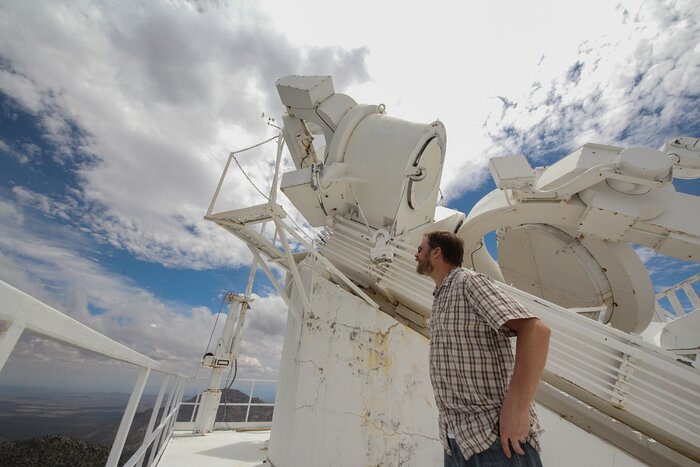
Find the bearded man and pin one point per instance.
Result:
(484, 395)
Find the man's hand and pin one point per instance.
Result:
(514, 426)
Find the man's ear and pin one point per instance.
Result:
(436, 249)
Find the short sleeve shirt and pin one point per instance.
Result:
(471, 359)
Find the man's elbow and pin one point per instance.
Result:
(542, 330)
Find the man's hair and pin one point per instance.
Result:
(451, 245)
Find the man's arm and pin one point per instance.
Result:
(530, 357)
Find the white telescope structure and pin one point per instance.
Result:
(565, 231)
(621, 380)
(380, 170)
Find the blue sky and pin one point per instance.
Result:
(115, 124)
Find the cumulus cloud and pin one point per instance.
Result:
(71, 282)
(636, 86)
(528, 78)
(46, 204)
(665, 271)
(24, 153)
(148, 102)
(8, 212)
(143, 105)
(646, 254)
(262, 336)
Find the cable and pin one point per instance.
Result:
(235, 364)
(246, 176)
(302, 230)
(359, 208)
(442, 198)
(221, 306)
(255, 145)
(223, 393)
(267, 198)
(233, 155)
(206, 350)
(472, 255)
(404, 193)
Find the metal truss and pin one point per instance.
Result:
(280, 250)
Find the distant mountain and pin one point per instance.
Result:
(104, 434)
(54, 451)
(96, 437)
(29, 412)
(233, 414)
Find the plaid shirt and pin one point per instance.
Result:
(471, 359)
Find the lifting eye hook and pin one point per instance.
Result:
(418, 175)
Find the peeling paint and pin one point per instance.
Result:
(356, 389)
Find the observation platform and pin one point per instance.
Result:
(219, 448)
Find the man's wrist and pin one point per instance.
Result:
(516, 403)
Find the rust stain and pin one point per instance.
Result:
(379, 355)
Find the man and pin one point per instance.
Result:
(484, 396)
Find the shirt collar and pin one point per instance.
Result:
(448, 278)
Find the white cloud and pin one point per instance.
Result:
(634, 85)
(567, 69)
(71, 282)
(263, 333)
(21, 88)
(249, 361)
(160, 94)
(22, 158)
(664, 270)
(157, 96)
(59, 209)
(646, 254)
(10, 213)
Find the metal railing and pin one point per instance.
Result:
(661, 314)
(244, 422)
(20, 312)
(621, 375)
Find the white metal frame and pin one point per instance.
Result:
(240, 223)
(619, 434)
(621, 375)
(663, 315)
(245, 424)
(20, 312)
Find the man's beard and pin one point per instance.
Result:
(424, 267)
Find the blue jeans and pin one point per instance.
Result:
(493, 457)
